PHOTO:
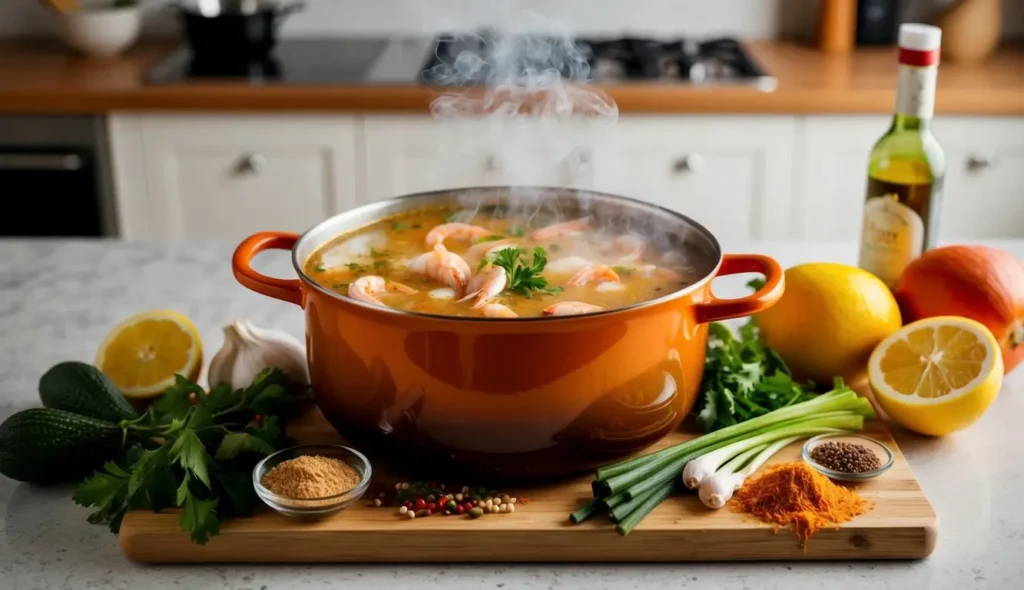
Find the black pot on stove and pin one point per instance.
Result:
(232, 30)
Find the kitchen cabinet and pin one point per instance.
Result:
(405, 154)
(732, 174)
(744, 177)
(982, 192)
(214, 176)
(983, 196)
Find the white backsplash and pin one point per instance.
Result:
(750, 19)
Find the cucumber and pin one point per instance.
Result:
(81, 388)
(46, 445)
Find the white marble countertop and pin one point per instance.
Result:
(58, 299)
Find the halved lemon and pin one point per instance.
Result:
(938, 375)
(144, 353)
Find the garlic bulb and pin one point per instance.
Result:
(247, 350)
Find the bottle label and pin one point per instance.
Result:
(893, 236)
(915, 94)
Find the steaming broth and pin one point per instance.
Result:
(393, 262)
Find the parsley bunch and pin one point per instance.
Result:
(524, 277)
(743, 379)
(195, 450)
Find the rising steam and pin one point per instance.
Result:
(522, 105)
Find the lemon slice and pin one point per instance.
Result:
(937, 375)
(144, 353)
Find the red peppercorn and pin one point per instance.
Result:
(429, 512)
(258, 419)
(431, 505)
(420, 503)
(407, 504)
(459, 509)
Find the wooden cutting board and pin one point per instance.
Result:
(902, 525)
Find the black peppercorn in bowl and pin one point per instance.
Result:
(313, 508)
(865, 458)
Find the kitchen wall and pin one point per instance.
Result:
(745, 18)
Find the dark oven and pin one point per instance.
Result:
(54, 177)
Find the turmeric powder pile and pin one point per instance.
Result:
(795, 495)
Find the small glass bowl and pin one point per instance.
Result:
(314, 508)
(880, 450)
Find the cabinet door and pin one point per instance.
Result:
(731, 174)
(831, 178)
(406, 154)
(227, 177)
(984, 191)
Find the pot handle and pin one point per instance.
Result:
(289, 290)
(723, 309)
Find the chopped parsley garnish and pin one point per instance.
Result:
(517, 231)
(379, 264)
(378, 253)
(416, 226)
(622, 270)
(490, 238)
(524, 277)
(320, 268)
(398, 226)
(340, 286)
(355, 267)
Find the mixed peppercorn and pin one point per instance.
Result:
(420, 499)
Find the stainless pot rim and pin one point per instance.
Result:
(302, 249)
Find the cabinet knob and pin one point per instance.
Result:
(977, 163)
(689, 163)
(253, 163)
(493, 164)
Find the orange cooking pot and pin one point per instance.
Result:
(517, 398)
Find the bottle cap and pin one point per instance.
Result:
(920, 37)
(919, 44)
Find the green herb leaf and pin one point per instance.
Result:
(199, 519)
(374, 253)
(107, 491)
(398, 226)
(181, 443)
(174, 401)
(756, 284)
(490, 238)
(188, 451)
(524, 277)
(743, 379)
(237, 443)
(319, 268)
(516, 231)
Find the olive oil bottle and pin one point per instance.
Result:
(907, 165)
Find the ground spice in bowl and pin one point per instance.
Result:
(795, 495)
(310, 477)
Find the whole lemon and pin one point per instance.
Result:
(829, 320)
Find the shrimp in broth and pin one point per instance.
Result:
(437, 261)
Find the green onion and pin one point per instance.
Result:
(585, 512)
(626, 524)
(630, 489)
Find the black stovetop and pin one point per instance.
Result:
(471, 60)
